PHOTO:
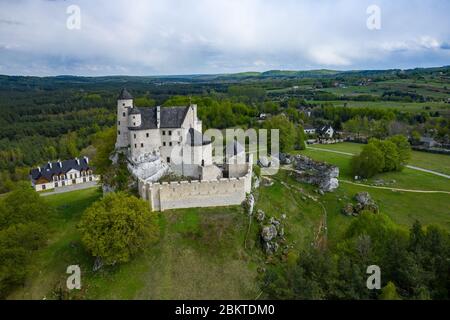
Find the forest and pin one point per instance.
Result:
(52, 118)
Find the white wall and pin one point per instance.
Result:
(67, 182)
(204, 193)
(122, 140)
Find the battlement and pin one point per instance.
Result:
(196, 193)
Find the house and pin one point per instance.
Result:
(62, 173)
(326, 131)
(263, 116)
(309, 129)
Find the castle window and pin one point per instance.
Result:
(170, 132)
(142, 145)
(123, 104)
(147, 134)
(135, 135)
(170, 143)
(118, 122)
(135, 145)
(118, 132)
(168, 159)
(134, 117)
(134, 123)
(124, 114)
(164, 132)
(164, 143)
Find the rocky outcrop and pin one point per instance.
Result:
(364, 202)
(272, 233)
(320, 174)
(285, 158)
(149, 168)
(249, 204)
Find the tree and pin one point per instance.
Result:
(287, 132)
(23, 229)
(117, 227)
(389, 292)
(300, 143)
(391, 156)
(103, 142)
(415, 137)
(369, 162)
(403, 149)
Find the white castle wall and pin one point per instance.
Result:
(193, 194)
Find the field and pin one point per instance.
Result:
(215, 253)
(436, 162)
(403, 207)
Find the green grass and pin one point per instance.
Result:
(403, 207)
(200, 255)
(204, 253)
(436, 162)
(444, 108)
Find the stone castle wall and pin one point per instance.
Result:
(197, 193)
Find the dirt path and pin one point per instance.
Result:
(408, 166)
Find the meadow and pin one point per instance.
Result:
(435, 162)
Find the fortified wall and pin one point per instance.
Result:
(196, 193)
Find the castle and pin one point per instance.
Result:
(162, 140)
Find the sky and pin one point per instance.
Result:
(167, 37)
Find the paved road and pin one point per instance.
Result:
(408, 166)
(70, 188)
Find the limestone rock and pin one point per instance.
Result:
(149, 168)
(269, 232)
(348, 209)
(260, 215)
(264, 162)
(320, 174)
(363, 198)
(249, 204)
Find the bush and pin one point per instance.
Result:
(117, 227)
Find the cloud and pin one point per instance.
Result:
(202, 36)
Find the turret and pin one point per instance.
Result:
(124, 106)
(134, 118)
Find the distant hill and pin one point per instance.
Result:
(251, 75)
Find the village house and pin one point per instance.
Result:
(62, 173)
(326, 131)
(309, 129)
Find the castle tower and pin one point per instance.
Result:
(124, 106)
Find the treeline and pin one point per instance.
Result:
(24, 227)
(414, 264)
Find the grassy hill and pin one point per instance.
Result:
(214, 253)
